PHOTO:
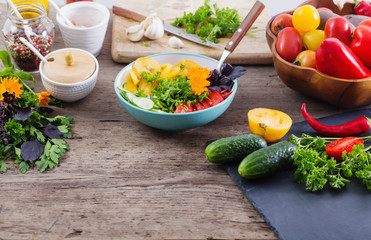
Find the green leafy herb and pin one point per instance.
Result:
(210, 23)
(316, 169)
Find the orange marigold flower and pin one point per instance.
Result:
(44, 98)
(198, 79)
(10, 85)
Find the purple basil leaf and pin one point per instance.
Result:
(237, 72)
(226, 69)
(52, 132)
(21, 113)
(215, 88)
(31, 150)
(42, 110)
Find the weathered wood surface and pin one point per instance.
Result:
(123, 180)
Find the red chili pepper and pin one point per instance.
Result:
(352, 128)
(363, 8)
(226, 94)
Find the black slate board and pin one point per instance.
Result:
(295, 214)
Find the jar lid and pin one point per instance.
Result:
(69, 66)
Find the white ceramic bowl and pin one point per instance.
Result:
(175, 121)
(69, 92)
(93, 16)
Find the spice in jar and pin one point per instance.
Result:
(22, 55)
(34, 26)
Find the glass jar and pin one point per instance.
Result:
(35, 26)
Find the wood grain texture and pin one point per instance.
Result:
(124, 180)
(251, 50)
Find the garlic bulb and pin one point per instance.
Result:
(152, 28)
(135, 33)
(175, 42)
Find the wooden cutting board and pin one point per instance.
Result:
(251, 50)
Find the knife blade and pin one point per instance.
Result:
(128, 12)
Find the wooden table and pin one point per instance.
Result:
(124, 180)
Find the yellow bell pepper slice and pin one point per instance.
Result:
(270, 124)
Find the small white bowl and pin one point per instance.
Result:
(69, 92)
(94, 16)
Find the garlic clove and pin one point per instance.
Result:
(153, 27)
(135, 33)
(175, 42)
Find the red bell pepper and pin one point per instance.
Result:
(361, 44)
(336, 59)
(363, 8)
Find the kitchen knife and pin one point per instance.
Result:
(125, 11)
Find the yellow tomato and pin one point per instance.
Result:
(183, 65)
(134, 77)
(312, 39)
(306, 18)
(169, 71)
(144, 64)
(270, 124)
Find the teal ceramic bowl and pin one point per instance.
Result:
(174, 121)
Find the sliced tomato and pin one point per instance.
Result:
(336, 148)
(214, 98)
(184, 108)
(205, 103)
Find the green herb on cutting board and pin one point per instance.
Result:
(210, 23)
(315, 168)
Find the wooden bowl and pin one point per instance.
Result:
(343, 93)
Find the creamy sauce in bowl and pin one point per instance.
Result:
(69, 66)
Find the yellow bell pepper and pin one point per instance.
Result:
(270, 124)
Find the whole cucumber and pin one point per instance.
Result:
(268, 160)
(234, 148)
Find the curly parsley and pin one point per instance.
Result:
(316, 169)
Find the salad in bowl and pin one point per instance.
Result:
(176, 84)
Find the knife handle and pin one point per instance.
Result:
(245, 26)
(125, 11)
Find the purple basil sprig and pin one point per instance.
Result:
(224, 81)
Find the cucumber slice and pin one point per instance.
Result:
(144, 103)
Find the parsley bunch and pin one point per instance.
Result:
(29, 136)
(171, 93)
(210, 24)
(316, 169)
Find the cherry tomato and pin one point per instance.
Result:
(361, 44)
(306, 18)
(306, 58)
(184, 108)
(289, 43)
(338, 27)
(336, 148)
(312, 39)
(280, 22)
(214, 98)
(366, 22)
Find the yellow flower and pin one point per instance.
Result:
(198, 79)
(10, 85)
(44, 98)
